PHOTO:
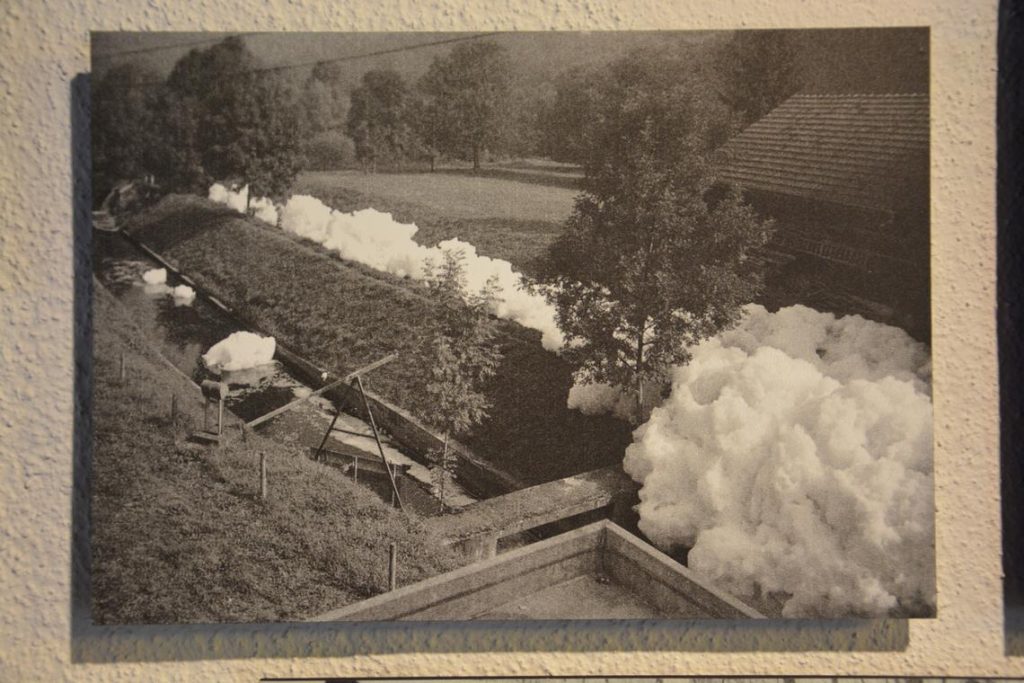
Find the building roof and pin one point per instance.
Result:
(853, 150)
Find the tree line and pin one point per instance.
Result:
(223, 115)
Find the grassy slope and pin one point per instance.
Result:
(342, 315)
(514, 221)
(178, 531)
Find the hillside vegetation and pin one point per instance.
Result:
(179, 533)
(343, 315)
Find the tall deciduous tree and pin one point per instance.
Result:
(426, 126)
(654, 257)
(271, 146)
(565, 122)
(124, 117)
(324, 100)
(468, 89)
(584, 96)
(758, 70)
(238, 121)
(459, 355)
(377, 121)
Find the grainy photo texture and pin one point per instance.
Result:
(564, 325)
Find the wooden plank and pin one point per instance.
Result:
(327, 387)
(380, 446)
(488, 578)
(648, 571)
(362, 460)
(536, 506)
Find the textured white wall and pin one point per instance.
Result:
(44, 44)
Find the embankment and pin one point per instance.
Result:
(179, 533)
(341, 315)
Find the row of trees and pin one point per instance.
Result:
(470, 100)
(457, 109)
(221, 115)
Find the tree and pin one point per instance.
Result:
(758, 70)
(271, 145)
(655, 256)
(567, 118)
(587, 98)
(324, 100)
(124, 113)
(468, 90)
(459, 354)
(377, 120)
(229, 119)
(179, 162)
(426, 125)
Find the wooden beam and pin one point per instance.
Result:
(347, 378)
(380, 446)
(535, 506)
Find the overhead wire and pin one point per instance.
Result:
(332, 60)
(171, 46)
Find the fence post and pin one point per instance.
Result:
(263, 476)
(392, 566)
(122, 371)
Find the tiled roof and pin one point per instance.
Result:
(855, 150)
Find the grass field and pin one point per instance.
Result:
(179, 533)
(342, 315)
(503, 218)
(457, 195)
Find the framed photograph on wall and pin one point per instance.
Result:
(622, 325)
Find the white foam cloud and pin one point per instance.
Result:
(183, 294)
(794, 456)
(263, 208)
(239, 351)
(155, 276)
(375, 239)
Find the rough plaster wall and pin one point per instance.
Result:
(45, 634)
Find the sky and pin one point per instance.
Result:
(836, 60)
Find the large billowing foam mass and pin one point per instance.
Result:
(239, 351)
(794, 456)
(375, 239)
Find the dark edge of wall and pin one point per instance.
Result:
(1010, 312)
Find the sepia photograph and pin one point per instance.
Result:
(603, 325)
